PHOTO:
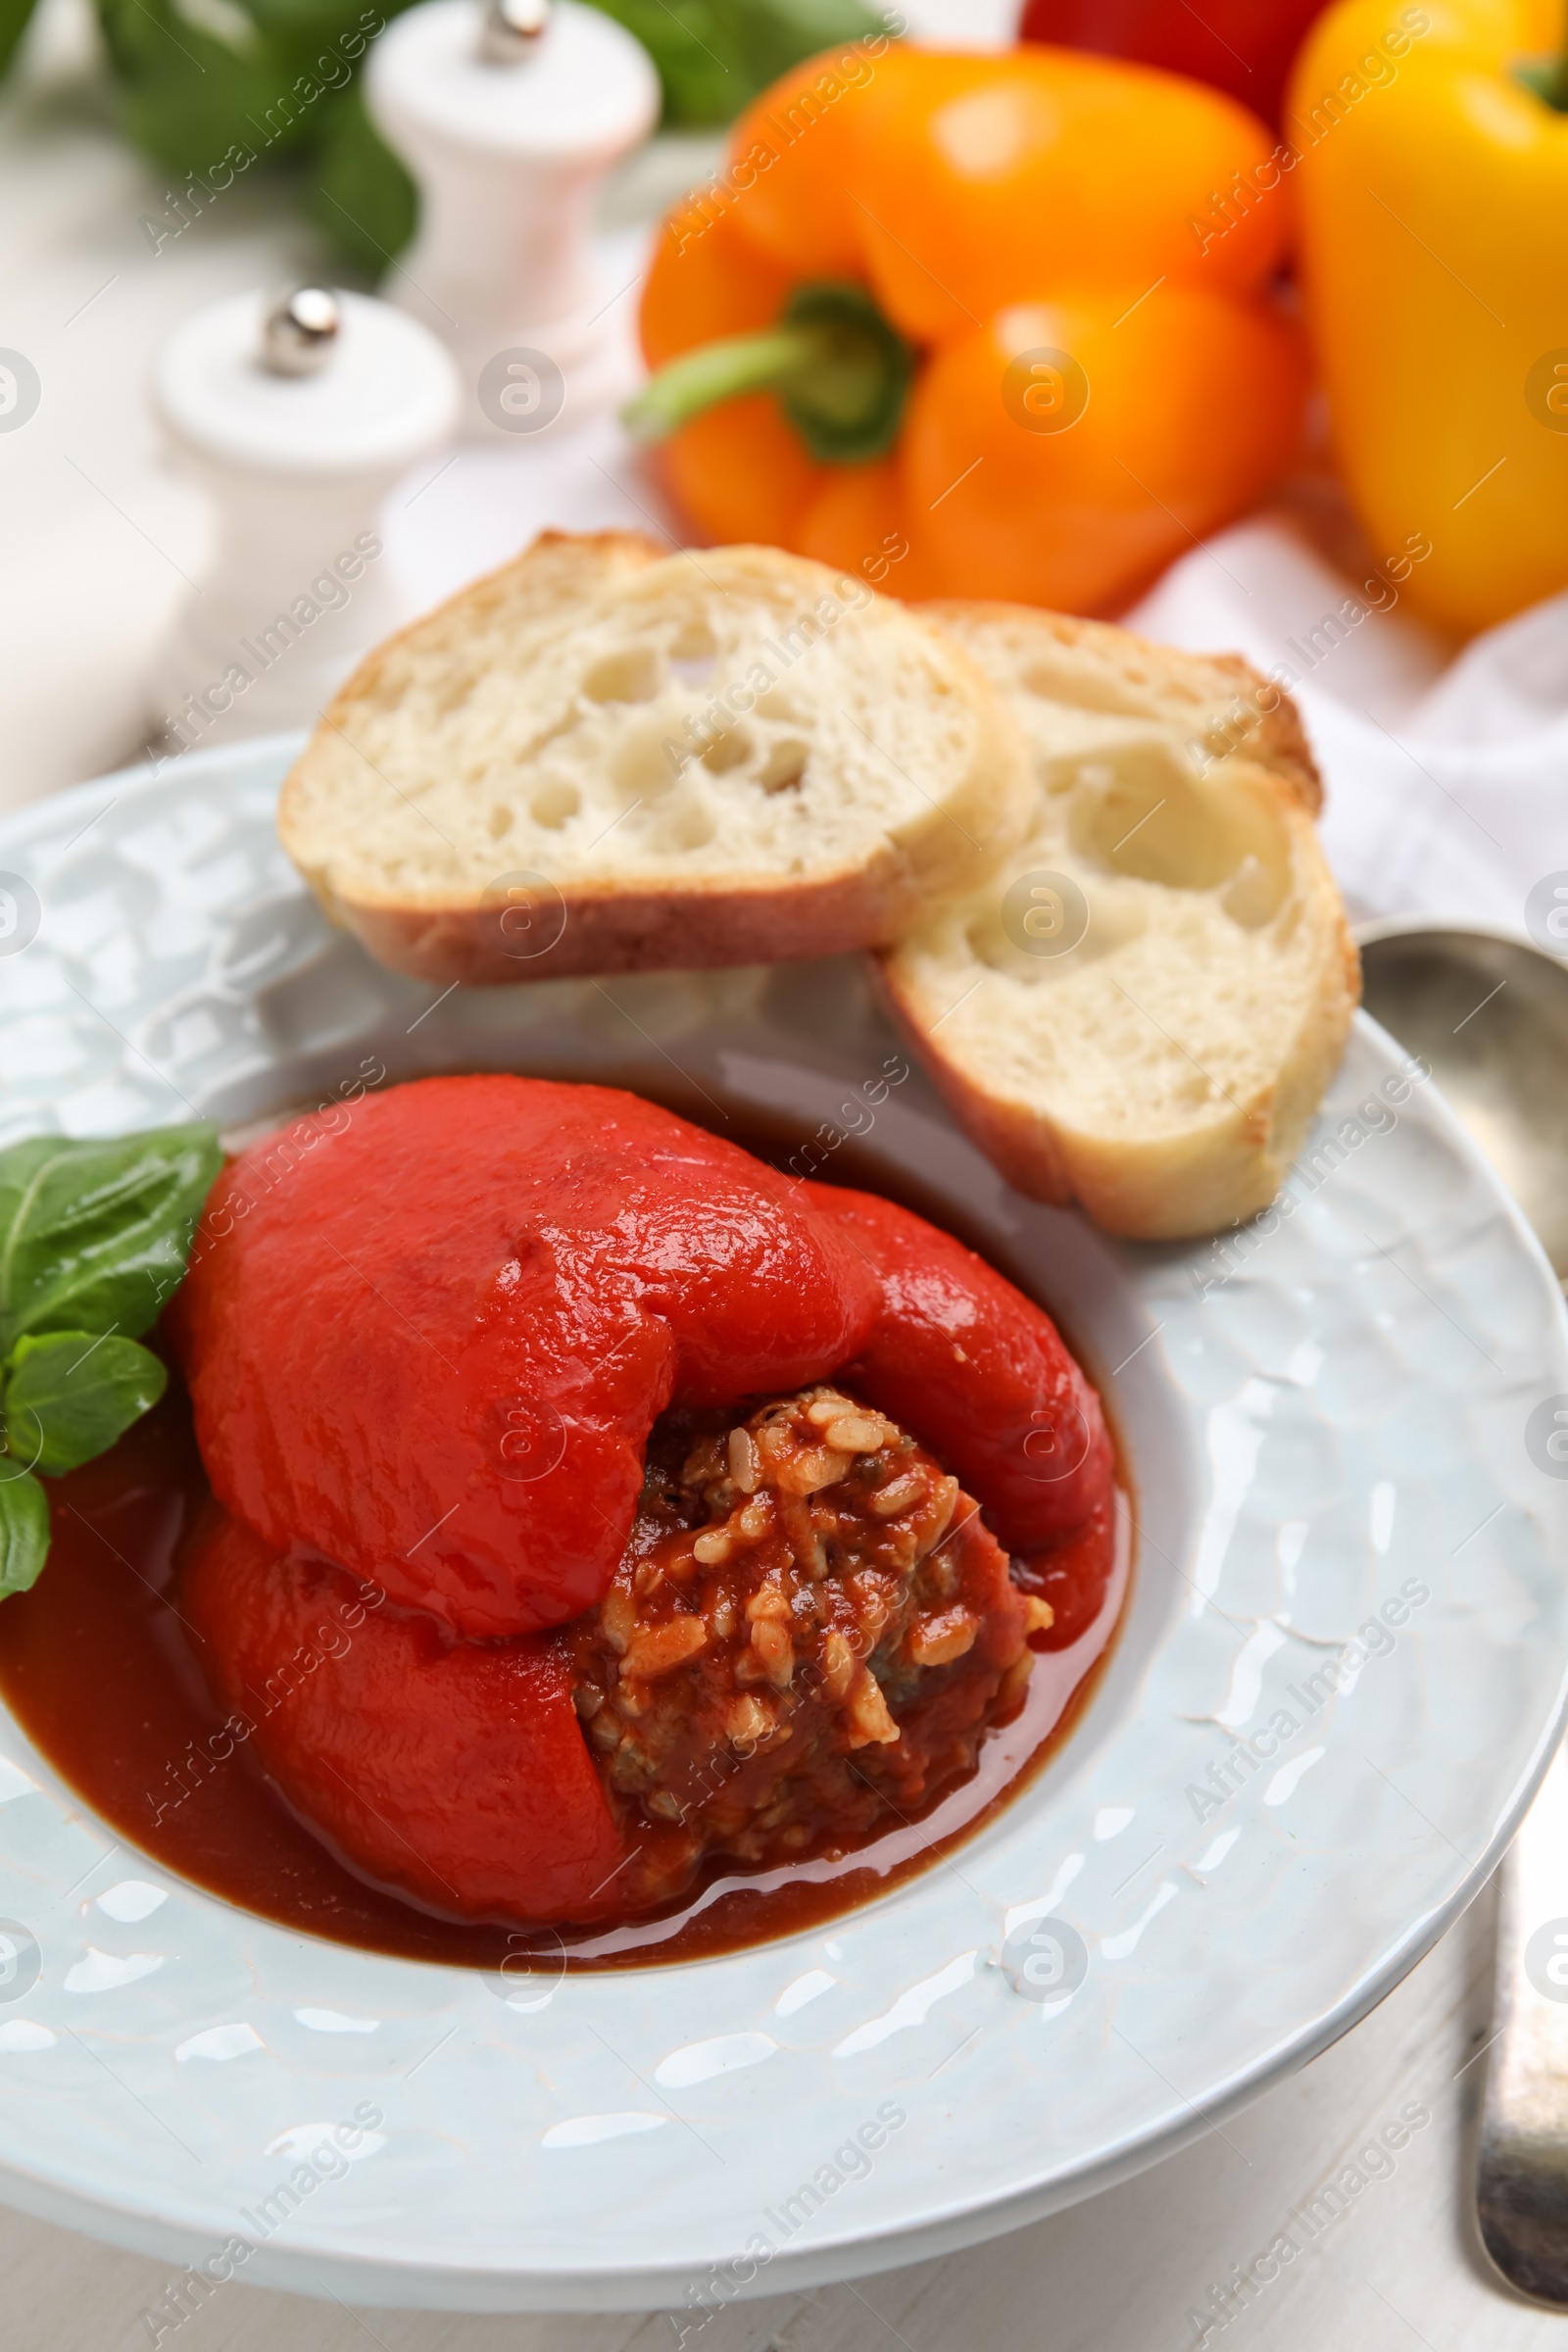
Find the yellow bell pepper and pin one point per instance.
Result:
(1431, 179)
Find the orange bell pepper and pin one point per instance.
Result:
(966, 316)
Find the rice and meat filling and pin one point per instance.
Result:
(809, 1634)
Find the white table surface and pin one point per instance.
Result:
(96, 538)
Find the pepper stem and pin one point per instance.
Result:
(717, 371)
(840, 369)
(1548, 77)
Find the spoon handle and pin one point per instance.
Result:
(1522, 2173)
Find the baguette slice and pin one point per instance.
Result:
(1142, 1009)
(603, 759)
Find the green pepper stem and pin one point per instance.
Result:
(768, 362)
(1547, 77)
(839, 371)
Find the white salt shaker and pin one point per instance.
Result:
(509, 116)
(296, 412)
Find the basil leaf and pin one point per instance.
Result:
(197, 101)
(365, 200)
(24, 1532)
(714, 56)
(772, 35)
(703, 79)
(13, 16)
(71, 1396)
(94, 1235)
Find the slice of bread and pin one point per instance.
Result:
(601, 759)
(1140, 1010)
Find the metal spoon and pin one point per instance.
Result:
(1491, 1015)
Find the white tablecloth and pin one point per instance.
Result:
(1445, 792)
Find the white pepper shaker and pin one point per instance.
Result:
(296, 412)
(509, 116)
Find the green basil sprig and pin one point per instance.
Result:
(95, 1236)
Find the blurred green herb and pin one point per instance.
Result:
(716, 56)
(214, 88)
(14, 15)
(95, 1236)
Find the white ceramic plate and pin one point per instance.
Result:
(1247, 1849)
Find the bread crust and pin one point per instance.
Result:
(1231, 1164)
(700, 928)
